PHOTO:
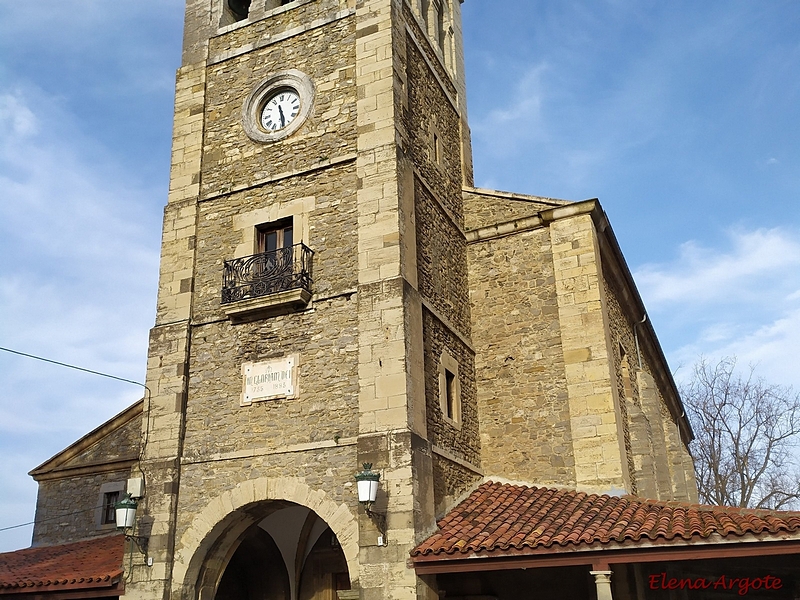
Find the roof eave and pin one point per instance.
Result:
(612, 553)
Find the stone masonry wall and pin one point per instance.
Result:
(321, 468)
(123, 443)
(600, 463)
(434, 57)
(65, 508)
(655, 451)
(522, 397)
(427, 112)
(231, 159)
(324, 336)
(324, 209)
(66, 505)
(463, 440)
(635, 428)
(281, 24)
(430, 123)
(450, 482)
(441, 261)
(484, 208)
(327, 388)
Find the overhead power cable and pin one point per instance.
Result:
(61, 364)
(92, 372)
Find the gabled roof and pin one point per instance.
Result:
(94, 565)
(95, 452)
(516, 520)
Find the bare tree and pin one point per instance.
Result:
(746, 432)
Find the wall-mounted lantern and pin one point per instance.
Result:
(126, 520)
(126, 512)
(368, 482)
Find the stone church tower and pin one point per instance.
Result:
(313, 309)
(335, 292)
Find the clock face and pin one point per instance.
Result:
(277, 106)
(280, 110)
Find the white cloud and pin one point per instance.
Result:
(739, 301)
(80, 259)
(703, 275)
(771, 348)
(16, 119)
(517, 118)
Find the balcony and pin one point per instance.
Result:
(267, 283)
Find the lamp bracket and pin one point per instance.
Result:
(139, 541)
(378, 518)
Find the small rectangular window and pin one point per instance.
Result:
(110, 500)
(275, 236)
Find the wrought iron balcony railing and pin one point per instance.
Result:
(267, 273)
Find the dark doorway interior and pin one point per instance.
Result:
(256, 571)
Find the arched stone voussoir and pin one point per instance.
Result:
(208, 524)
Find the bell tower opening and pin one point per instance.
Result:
(239, 9)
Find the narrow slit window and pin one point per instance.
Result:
(625, 372)
(425, 8)
(449, 390)
(450, 393)
(438, 24)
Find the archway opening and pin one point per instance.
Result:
(288, 554)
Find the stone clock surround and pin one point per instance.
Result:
(254, 104)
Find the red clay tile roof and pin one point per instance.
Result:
(80, 565)
(499, 518)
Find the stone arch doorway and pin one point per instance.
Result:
(274, 550)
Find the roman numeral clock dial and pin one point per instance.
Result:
(280, 110)
(278, 106)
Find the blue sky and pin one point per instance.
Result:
(682, 117)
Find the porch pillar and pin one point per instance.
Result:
(602, 580)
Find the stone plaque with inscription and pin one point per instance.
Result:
(269, 380)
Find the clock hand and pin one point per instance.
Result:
(283, 119)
